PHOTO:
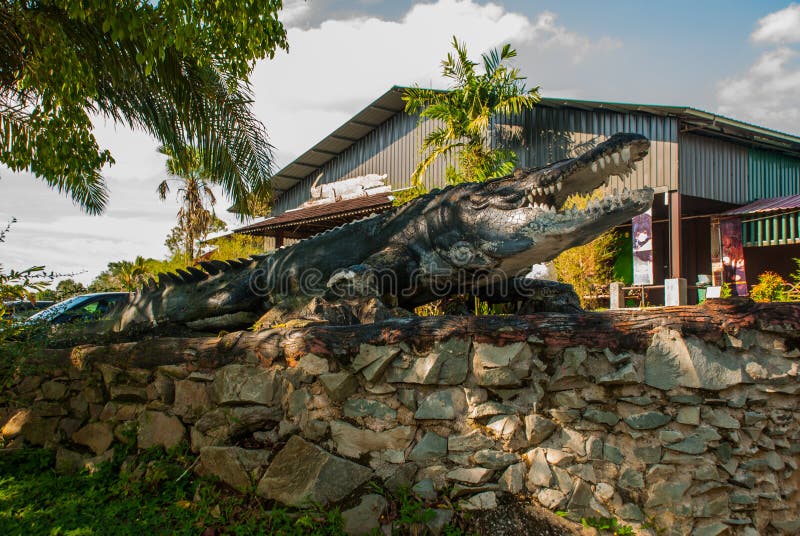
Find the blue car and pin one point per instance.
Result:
(85, 307)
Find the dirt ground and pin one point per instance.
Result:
(513, 517)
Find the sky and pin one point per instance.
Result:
(737, 58)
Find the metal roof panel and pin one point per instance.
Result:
(772, 204)
(391, 102)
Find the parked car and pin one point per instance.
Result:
(21, 309)
(84, 307)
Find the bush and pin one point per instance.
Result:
(770, 288)
(591, 266)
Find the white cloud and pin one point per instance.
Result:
(779, 27)
(334, 69)
(547, 35)
(295, 12)
(768, 93)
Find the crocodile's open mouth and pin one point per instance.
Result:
(616, 157)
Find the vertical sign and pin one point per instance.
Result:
(730, 231)
(716, 254)
(643, 248)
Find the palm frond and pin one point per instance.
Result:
(162, 190)
(181, 103)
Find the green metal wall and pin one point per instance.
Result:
(771, 175)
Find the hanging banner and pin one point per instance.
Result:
(730, 231)
(643, 248)
(716, 254)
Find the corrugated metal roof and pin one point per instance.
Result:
(773, 204)
(339, 210)
(391, 103)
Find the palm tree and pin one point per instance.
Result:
(465, 112)
(131, 274)
(177, 70)
(194, 193)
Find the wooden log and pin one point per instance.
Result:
(616, 330)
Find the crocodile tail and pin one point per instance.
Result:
(212, 289)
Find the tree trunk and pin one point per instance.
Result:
(616, 330)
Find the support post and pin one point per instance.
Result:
(278, 240)
(675, 291)
(617, 299)
(674, 234)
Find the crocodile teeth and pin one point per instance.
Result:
(594, 167)
(559, 186)
(615, 158)
(552, 188)
(626, 154)
(607, 159)
(633, 166)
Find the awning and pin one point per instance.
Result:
(773, 204)
(308, 221)
(769, 222)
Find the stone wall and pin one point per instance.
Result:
(689, 432)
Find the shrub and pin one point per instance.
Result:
(770, 288)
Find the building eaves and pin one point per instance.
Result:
(772, 204)
(320, 212)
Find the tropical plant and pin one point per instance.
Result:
(196, 216)
(771, 287)
(124, 275)
(132, 274)
(236, 246)
(19, 285)
(66, 288)
(590, 266)
(177, 69)
(793, 290)
(465, 112)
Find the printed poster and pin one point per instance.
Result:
(730, 231)
(643, 248)
(716, 254)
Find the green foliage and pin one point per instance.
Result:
(725, 290)
(150, 494)
(793, 292)
(411, 511)
(129, 275)
(771, 287)
(176, 69)
(67, 288)
(591, 266)
(237, 246)
(466, 111)
(154, 492)
(18, 285)
(608, 524)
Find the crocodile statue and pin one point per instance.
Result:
(470, 238)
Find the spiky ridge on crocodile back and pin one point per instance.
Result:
(221, 287)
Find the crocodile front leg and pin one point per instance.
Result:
(533, 295)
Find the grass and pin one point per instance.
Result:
(153, 493)
(150, 499)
